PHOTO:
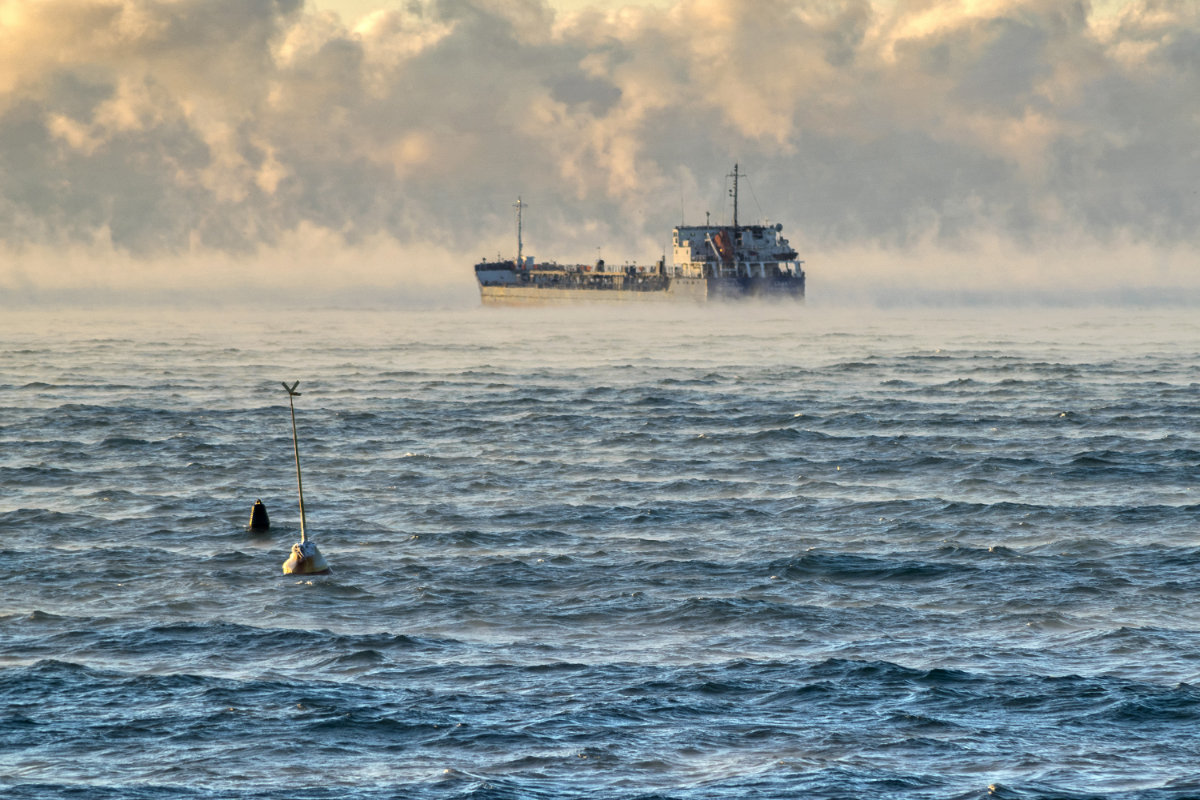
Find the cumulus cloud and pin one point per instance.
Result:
(176, 133)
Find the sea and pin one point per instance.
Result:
(684, 553)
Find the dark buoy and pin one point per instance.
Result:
(305, 558)
(259, 521)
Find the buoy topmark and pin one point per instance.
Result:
(259, 521)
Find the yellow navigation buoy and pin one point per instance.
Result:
(305, 558)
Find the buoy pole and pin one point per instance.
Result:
(305, 558)
(291, 390)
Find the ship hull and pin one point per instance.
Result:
(678, 290)
(760, 288)
(695, 290)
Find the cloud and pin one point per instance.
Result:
(201, 130)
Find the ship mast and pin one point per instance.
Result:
(734, 192)
(520, 247)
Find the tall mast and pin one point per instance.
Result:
(291, 390)
(520, 246)
(734, 175)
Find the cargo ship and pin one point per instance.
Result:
(710, 262)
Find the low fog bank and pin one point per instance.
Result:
(824, 293)
(389, 275)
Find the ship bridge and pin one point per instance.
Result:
(748, 251)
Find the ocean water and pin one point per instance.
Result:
(747, 552)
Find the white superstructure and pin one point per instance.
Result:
(743, 251)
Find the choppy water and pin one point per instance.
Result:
(760, 553)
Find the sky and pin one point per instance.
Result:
(360, 152)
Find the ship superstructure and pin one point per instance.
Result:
(709, 262)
